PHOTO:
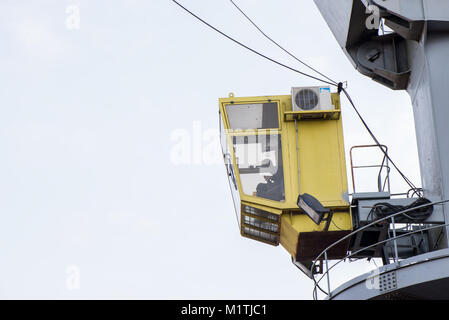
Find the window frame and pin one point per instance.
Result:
(247, 132)
(278, 103)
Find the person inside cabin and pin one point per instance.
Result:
(273, 188)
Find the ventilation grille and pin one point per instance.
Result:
(387, 281)
(306, 99)
(312, 99)
(260, 225)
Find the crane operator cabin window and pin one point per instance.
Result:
(253, 116)
(257, 149)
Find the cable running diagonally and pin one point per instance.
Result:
(332, 83)
(250, 49)
(279, 46)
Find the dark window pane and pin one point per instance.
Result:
(253, 116)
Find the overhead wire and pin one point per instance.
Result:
(331, 82)
(279, 46)
(340, 88)
(251, 49)
(410, 183)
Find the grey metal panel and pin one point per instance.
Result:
(437, 51)
(364, 208)
(436, 10)
(428, 89)
(419, 270)
(407, 9)
(370, 196)
(347, 21)
(417, 10)
(365, 201)
(419, 90)
(337, 15)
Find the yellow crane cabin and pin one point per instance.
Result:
(285, 162)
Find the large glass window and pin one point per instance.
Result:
(253, 116)
(259, 161)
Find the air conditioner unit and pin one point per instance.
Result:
(312, 99)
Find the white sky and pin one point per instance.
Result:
(87, 126)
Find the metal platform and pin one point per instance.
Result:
(411, 56)
(412, 269)
(420, 277)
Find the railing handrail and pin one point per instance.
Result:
(384, 159)
(373, 245)
(376, 222)
(369, 225)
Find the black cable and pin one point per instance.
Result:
(278, 45)
(339, 86)
(332, 221)
(412, 186)
(418, 192)
(250, 49)
(385, 209)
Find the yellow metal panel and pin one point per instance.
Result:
(322, 160)
(302, 223)
(322, 168)
(292, 225)
(321, 157)
(289, 236)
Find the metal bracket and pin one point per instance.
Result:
(384, 59)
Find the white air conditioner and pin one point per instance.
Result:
(312, 99)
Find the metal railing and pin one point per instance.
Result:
(380, 185)
(323, 254)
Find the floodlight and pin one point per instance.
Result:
(312, 207)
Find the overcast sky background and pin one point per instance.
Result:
(89, 121)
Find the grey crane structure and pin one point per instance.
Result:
(413, 56)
